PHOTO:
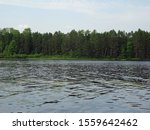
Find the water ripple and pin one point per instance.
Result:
(74, 86)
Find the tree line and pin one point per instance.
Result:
(78, 44)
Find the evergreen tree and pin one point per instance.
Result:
(110, 44)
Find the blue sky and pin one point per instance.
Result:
(65, 15)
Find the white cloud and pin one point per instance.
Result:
(82, 6)
(97, 8)
(21, 27)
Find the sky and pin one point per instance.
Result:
(66, 15)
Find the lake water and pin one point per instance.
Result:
(74, 86)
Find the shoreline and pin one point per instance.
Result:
(62, 57)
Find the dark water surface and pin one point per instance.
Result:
(74, 86)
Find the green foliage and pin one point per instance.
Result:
(10, 49)
(1, 47)
(112, 44)
(129, 49)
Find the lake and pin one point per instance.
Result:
(74, 86)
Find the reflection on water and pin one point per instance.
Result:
(74, 86)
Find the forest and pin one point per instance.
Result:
(87, 44)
